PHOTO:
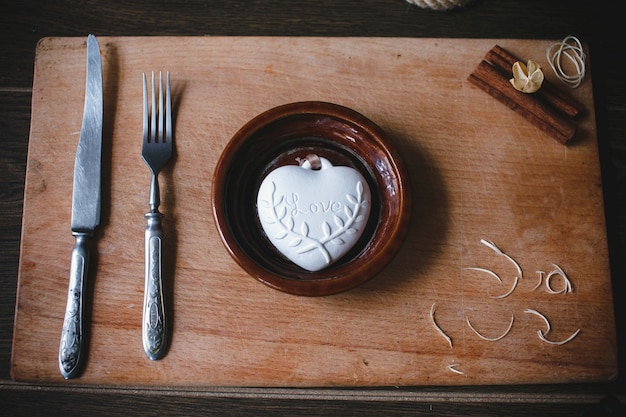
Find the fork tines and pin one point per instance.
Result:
(153, 115)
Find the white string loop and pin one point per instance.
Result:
(569, 49)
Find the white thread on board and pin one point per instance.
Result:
(569, 50)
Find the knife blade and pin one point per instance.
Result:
(85, 213)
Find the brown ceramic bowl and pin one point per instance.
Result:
(276, 138)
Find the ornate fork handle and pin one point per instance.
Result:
(154, 324)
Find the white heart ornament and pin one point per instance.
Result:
(314, 216)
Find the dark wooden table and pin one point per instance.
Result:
(23, 23)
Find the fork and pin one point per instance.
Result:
(156, 152)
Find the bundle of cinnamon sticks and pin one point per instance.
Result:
(549, 109)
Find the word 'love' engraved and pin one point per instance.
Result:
(320, 207)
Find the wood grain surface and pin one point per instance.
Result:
(478, 171)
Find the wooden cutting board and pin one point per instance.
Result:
(478, 171)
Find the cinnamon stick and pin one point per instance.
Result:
(496, 84)
(567, 105)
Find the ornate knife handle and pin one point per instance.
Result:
(72, 335)
(154, 325)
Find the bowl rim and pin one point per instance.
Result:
(389, 241)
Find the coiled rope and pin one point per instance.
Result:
(439, 4)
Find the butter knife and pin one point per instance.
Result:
(85, 213)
